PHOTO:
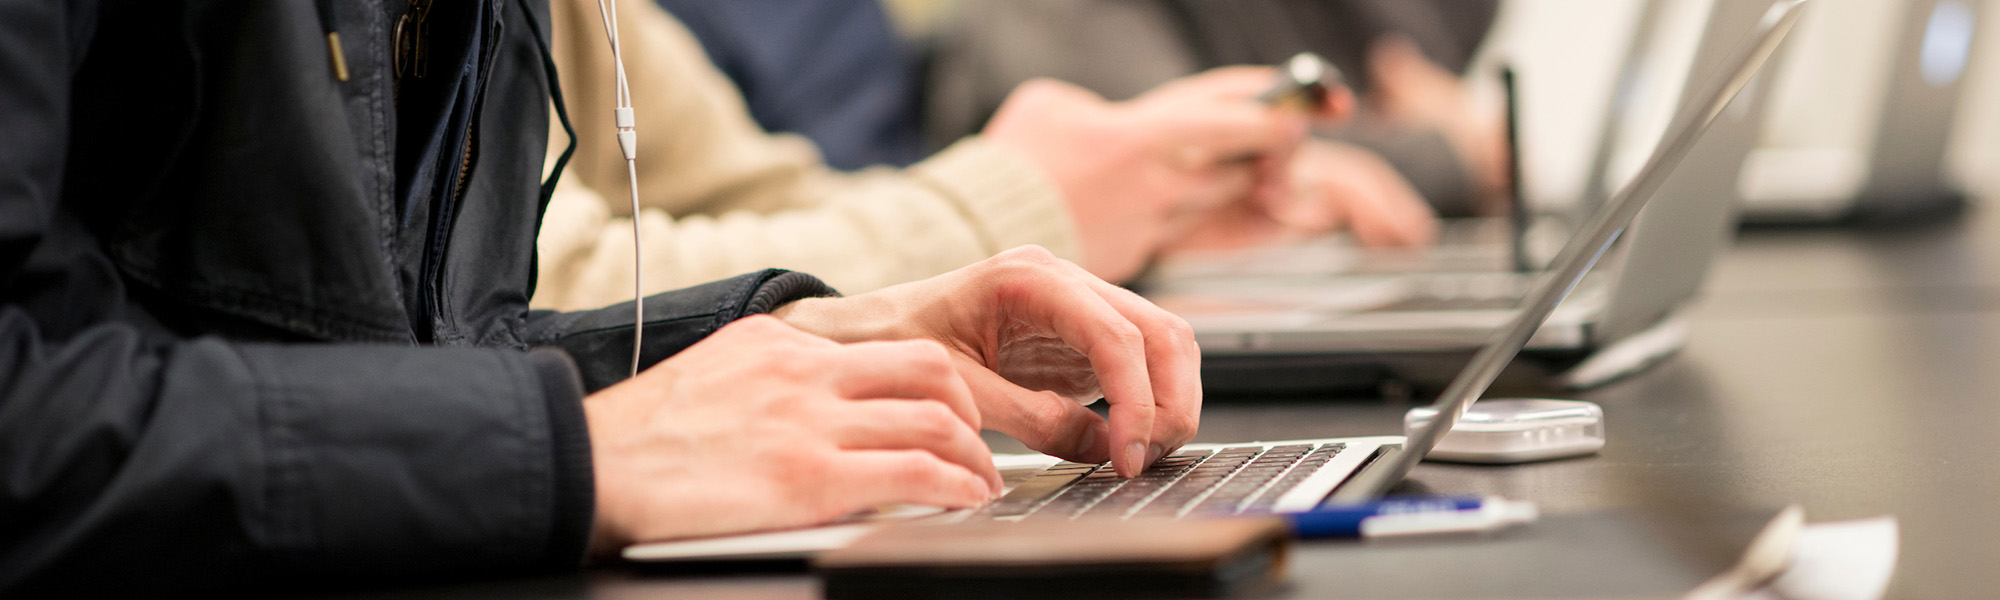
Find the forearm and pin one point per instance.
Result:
(870, 232)
(209, 465)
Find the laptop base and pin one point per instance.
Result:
(1873, 211)
(1274, 376)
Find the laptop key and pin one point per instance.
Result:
(1031, 493)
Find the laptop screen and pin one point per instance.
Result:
(1577, 256)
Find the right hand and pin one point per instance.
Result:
(1034, 335)
(1127, 168)
(762, 426)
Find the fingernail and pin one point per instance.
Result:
(981, 496)
(1135, 456)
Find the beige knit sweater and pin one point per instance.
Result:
(722, 197)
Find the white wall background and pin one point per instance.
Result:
(1567, 52)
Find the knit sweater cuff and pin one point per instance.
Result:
(1006, 198)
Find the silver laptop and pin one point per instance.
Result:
(1464, 244)
(1299, 475)
(1901, 174)
(1657, 268)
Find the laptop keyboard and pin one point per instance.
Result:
(1237, 480)
(1436, 304)
(1489, 291)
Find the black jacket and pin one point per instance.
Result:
(261, 327)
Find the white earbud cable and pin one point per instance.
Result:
(628, 143)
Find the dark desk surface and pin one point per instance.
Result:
(1855, 373)
(1939, 266)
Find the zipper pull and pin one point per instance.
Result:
(412, 39)
(326, 23)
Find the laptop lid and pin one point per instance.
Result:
(1907, 170)
(1873, 94)
(1576, 257)
(1672, 243)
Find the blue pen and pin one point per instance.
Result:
(1413, 515)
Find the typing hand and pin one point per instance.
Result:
(762, 426)
(1032, 335)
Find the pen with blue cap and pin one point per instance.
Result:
(1413, 515)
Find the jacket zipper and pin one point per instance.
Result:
(446, 213)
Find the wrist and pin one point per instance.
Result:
(611, 414)
(846, 320)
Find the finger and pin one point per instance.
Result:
(1050, 294)
(871, 478)
(915, 425)
(1274, 175)
(1200, 136)
(1392, 214)
(1044, 421)
(1173, 363)
(1213, 188)
(1340, 104)
(914, 370)
(1231, 83)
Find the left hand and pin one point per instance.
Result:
(1036, 337)
(1335, 186)
(1127, 169)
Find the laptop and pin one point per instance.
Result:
(1465, 244)
(1901, 173)
(1202, 480)
(1268, 333)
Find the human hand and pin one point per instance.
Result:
(1335, 186)
(1338, 185)
(1033, 334)
(1128, 168)
(762, 426)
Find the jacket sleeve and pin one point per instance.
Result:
(724, 197)
(601, 339)
(131, 459)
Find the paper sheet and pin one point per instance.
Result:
(1842, 560)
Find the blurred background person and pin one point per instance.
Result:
(1404, 58)
(1105, 184)
(834, 71)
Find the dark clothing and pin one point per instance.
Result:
(262, 326)
(1266, 32)
(831, 70)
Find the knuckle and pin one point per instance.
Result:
(1181, 331)
(1180, 425)
(1051, 421)
(1029, 255)
(1123, 333)
(936, 422)
(916, 470)
(928, 358)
